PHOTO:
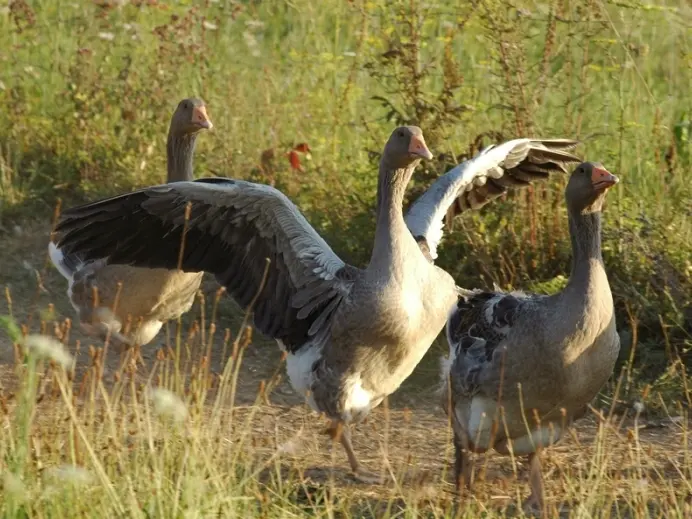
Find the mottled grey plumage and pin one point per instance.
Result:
(353, 335)
(475, 329)
(477, 181)
(534, 353)
(147, 297)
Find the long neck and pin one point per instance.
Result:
(180, 149)
(587, 262)
(391, 234)
(586, 310)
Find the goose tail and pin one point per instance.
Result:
(67, 265)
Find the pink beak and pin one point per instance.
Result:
(418, 147)
(200, 117)
(603, 179)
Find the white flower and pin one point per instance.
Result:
(251, 43)
(209, 26)
(108, 36)
(167, 403)
(48, 348)
(254, 24)
(13, 484)
(70, 474)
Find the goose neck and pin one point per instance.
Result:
(587, 260)
(391, 232)
(180, 150)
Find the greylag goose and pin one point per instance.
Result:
(147, 297)
(352, 335)
(541, 358)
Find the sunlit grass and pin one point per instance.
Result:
(86, 93)
(148, 439)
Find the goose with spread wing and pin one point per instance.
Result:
(352, 335)
(107, 296)
(540, 359)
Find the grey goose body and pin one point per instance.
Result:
(534, 355)
(352, 335)
(127, 303)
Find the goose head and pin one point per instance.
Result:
(405, 148)
(190, 118)
(587, 187)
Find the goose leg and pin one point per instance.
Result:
(462, 464)
(342, 431)
(535, 503)
(103, 332)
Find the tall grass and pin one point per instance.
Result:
(169, 440)
(86, 92)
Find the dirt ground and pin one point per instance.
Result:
(412, 435)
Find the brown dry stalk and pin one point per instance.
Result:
(550, 33)
(181, 252)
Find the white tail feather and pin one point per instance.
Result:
(58, 259)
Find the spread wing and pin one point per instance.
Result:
(477, 181)
(232, 227)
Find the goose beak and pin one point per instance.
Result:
(602, 179)
(418, 147)
(200, 117)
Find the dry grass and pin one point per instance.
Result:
(204, 424)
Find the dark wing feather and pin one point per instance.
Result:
(476, 328)
(233, 226)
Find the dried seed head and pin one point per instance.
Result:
(70, 475)
(645, 392)
(247, 338)
(13, 485)
(167, 403)
(49, 348)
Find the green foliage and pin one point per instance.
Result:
(87, 89)
(11, 328)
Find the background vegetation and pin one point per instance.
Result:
(87, 89)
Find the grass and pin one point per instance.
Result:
(86, 92)
(198, 426)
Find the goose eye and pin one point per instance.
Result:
(401, 133)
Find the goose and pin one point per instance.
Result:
(535, 356)
(352, 335)
(152, 295)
